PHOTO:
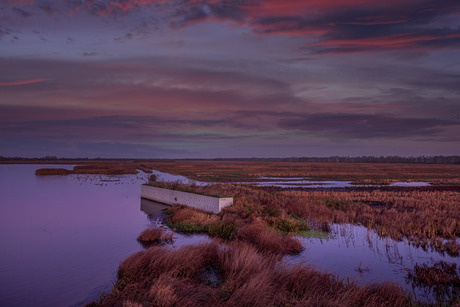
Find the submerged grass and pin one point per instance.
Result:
(442, 279)
(163, 277)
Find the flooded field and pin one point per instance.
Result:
(299, 182)
(291, 182)
(66, 235)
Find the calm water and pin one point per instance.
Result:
(380, 259)
(63, 237)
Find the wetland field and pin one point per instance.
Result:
(298, 233)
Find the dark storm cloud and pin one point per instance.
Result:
(333, 26)
(368, 27)
(366, 126)
(101, 126)
(138, 128)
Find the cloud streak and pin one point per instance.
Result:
(22, 82)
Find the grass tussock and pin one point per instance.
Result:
(268, 240)
(155, 235)
(163, 277)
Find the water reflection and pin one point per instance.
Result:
(154, 210)
(360, 254)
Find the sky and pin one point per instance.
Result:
(229, 78)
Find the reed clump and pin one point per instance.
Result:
(163, 277)
(155, 235)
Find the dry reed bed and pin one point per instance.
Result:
(425, 218)
(235, 274)
(365, 173)
(430, 219)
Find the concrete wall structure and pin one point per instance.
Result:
(197, 201)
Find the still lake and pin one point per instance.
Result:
(63, 237)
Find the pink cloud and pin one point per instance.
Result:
(22, 82)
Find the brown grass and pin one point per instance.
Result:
(255, 217)
(155, 235)
(429, 219)
(425, 218)
(162, 277)
(366, 173)
(267, 240)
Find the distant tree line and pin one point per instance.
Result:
(361, 159)
(332, 159)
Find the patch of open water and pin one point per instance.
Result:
(358, 254)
